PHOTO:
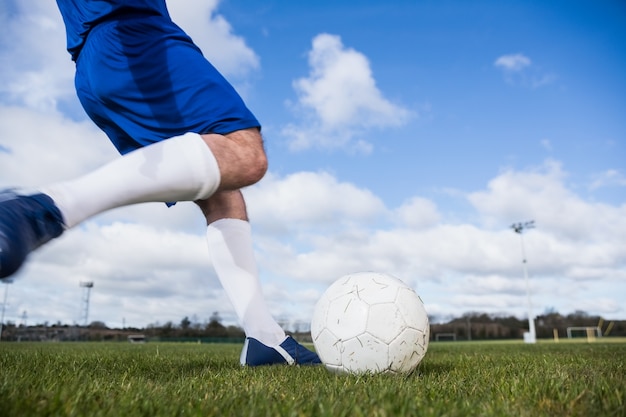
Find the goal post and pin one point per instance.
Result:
(445, 337)
(589, 332)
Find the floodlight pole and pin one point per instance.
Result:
(6, 282)
(87, 286)
(519, 228)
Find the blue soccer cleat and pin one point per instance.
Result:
(288, 352)
(26, 222)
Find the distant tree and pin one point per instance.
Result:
(235, 331)
(215, 317)
(168, 329)
(216, 329)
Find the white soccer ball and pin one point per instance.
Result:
(370, 322)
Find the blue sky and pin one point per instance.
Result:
(436, 60)
(403, 137)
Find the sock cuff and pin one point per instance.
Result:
(201, 158)
(230, 224)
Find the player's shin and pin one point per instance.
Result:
(230, 245)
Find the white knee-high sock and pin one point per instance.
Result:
(182, 168)
(230, 244)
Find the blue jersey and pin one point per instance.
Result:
(80, 16)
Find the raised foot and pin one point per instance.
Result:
(26, 222)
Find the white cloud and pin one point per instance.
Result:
(338, 98)
(140, 266)
(51, 146)
(461, 267)
(519, 70)
(40, 73)
(215, 36)
(609, 178)
(417, 213)
(310, 200)
(541, 194)
(512, 62)
(311, 228)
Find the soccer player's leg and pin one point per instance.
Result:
(229, 237)
(177, 169)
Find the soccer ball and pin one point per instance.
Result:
(370, 322)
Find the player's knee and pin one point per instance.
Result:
(241, 157)
(256, 158)
(259, 166)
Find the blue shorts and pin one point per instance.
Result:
(141, 80)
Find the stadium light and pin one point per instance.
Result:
(86, 286)
(519, 228)
(6, 281)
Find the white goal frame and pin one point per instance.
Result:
(591, 332)
(137, 338)
(452, 336)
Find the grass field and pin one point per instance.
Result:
(167, 379)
